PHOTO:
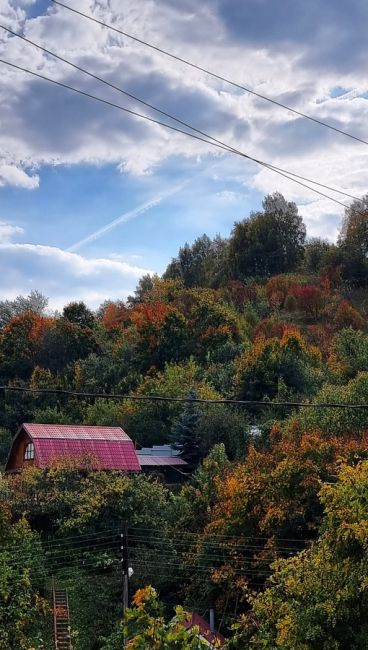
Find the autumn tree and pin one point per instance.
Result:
(353, 242)
(144, 626)
(289, 359)
(318, 598)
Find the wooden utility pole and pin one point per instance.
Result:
(125, 566)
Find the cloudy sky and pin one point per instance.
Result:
(91, 198)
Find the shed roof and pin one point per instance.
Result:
(147, 460)
(109, 448)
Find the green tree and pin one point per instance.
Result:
(353, 242)
(144, 626)
(223, 424)
(185, 431)
(24, 615)
(79, 314)
(318, 599)
(201, 264)
(317, 255)
(269, 242)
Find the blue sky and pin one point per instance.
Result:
(90, 198)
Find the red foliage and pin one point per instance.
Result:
(320, 336)
(309, 299)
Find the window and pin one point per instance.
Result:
(29, 451)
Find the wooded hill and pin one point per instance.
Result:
(271, 528)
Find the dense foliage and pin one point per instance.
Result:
(270, 528)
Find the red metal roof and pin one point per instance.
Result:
(146, 460)
(215, 639)
(107, 448)
(75, 432)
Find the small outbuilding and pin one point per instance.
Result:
(43, 445)
(165, 461)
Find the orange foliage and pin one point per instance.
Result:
(115, 315)
(149, 315)
(277, 288)
(347, 316)
(275, 490)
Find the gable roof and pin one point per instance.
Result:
(109, 448)
(74, 432)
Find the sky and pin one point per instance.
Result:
(92, 198)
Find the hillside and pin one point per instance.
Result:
(271, 527)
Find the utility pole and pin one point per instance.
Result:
(125, 566)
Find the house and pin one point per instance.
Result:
(95, 447)
(41, 445)
(212, 639)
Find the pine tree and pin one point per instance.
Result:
(185, 431)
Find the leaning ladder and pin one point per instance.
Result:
(60, 610)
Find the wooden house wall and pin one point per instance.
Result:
(16, 459)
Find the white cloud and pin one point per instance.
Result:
(64, 276)
(13, 175)
(44, 125)
(8, 231)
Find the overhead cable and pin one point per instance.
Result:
(172, 117)
(227, 148)
(210, 73)
(198, 400)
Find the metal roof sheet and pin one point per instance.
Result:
(146, 460)
(101, 454)
(75, 432)
(214, 639)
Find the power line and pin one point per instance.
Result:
(172, 117)
(159, 398)
(223, 536)
(212, 74)
(212, 142)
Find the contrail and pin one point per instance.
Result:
(127, 216)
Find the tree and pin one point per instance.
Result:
(290, 359)
(144, 285)
(318, 599)
(353, 242)
(35, 302)
(309, 299)
(220, 424)
(269, 242)
(79, 314)
(317, 255)
(144, 626)
(185, 431)
(349, 353)
(201, 264)
(23, 611)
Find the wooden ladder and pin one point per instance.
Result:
(60, 608)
